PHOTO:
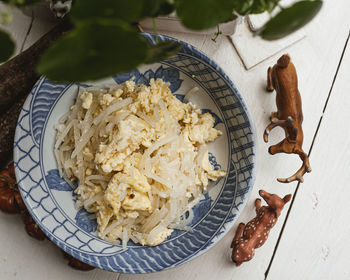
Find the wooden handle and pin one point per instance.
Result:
(18, 75)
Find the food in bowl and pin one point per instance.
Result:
(140, 158)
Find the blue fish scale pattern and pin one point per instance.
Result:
(52, 218)
(234, 111)
(46, 98)
(168, 74)
(135, 259)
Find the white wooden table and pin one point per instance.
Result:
(312, 237)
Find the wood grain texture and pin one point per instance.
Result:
(18, 27)
(247, 44)
(316, 59)
(39, 27)
(316, 244)
(21, 256)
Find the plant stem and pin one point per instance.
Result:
(216, 34)
(155, 29)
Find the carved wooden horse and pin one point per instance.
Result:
(254, 234)
(283, 78)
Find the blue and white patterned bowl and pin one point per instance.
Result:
(50, 200)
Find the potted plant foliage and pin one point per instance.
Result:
(108, 28)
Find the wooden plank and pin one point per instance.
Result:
(316, 59)
(23, 257)
(316, 244)
(247, 43)
(41, 25)
(18, 27)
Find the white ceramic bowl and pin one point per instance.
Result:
(50, 199)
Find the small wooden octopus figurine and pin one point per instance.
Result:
(283, 78)
(254, 234)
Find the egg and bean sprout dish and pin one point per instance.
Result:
(139, 156)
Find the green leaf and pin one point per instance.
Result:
(162, 50)
(271, 4)
(7, 46)
(290, 19)
(203, 14)
(126, 10)
(151, 8)
(94, 50)
(129, 11)
(243, 7)
(20, 3)
(166, 8)
(261, 6)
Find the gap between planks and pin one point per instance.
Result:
(28, 32)
(309, 153)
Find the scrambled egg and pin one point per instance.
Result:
(131, 133)
(133, 187)
(160, 237)
(118, 156)
(86, 98)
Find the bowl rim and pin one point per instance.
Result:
(229, 224)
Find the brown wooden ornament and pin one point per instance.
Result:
(17, 77)
(75, 263)
(31, 227)
(282, 77)
(10, 199)
(254, 234)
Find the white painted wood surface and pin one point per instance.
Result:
(172, 23)
(253, 49)
(317, 235)
(18, 27)
(326, 255)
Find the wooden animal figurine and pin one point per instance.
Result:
(282, 77)
(10, 199)
(254, 234)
